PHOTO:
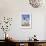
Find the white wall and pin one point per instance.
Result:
(13, 8)
(45, 28)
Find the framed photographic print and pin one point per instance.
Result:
(26, 21)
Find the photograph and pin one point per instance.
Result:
(26, 21)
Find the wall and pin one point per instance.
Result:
(45, 28)
(13, 8)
